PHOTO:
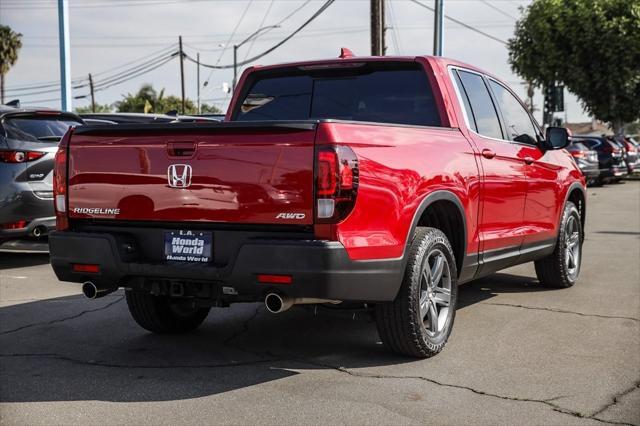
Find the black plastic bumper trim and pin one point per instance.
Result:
(320, 269)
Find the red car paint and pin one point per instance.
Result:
(512, 194)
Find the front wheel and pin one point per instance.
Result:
(419, 321)
(562, 267)
(164, 315)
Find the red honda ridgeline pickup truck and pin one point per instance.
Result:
(386, 180)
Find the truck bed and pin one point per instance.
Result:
(190, 172)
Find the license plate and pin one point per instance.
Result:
(187, 246)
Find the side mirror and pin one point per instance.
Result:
(557, 138)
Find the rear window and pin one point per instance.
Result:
(37, 129)
(387, 93)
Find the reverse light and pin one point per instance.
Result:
(336, 182)
(20, 156)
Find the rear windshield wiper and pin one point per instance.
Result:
(50, 138)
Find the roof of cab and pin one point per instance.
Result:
(443, 62)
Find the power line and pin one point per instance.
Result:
(274, 47)
(497, 9)
(117, 78)
(133, 70)
(394, 28)
(457, 21)
(77, 81)
(106, 80)
(264, 18)
(226, 45)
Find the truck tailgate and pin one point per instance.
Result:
(252, 173)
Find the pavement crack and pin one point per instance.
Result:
(94, 363)
(559, 311)
(547, 401)
(616, 398)
(72, 317)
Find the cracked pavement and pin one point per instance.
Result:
(519, 354)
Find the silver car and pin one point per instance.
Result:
(28, 143)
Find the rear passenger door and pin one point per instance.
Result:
(543, 201)
(504, 177)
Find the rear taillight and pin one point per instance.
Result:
(577, 154)
(20, 156)
(336, 182)
(60, 184)
(14, 225)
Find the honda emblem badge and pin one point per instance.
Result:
(179, 175)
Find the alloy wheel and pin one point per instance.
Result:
(435, 293)
(572, 247)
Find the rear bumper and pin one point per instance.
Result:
(45, 224)
(319, 269)
(19, 202)
(589, 171)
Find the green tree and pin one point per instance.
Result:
(591, 46)
(99, 108)
(10, 44)
(210, 109)
(160, 104)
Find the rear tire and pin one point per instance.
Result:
(161, 314)
(419, 321)
(561, 268)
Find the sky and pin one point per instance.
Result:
(108, 34)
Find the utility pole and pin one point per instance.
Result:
(65, 58)
(181, 71)
(198, 78)
(438, 27)
(377, 28)
(235, 67)
(255, 34)
(383, 30)
(93, 99)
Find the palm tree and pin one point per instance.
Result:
(10, 43)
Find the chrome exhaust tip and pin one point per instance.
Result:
(92, 291)
(38, 231)
(89, 290)
(276, 304)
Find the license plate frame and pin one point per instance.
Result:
(188, 246)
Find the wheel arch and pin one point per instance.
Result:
(442, 210)
(577, 195)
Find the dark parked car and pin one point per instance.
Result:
(129, 117)
(610, 157)
(633, 156)
(28, 143)
(140, 118)
(587, 160)
(97, 121)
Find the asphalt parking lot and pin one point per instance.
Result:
(519, 354)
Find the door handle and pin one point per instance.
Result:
(528, 160)
(487, 153)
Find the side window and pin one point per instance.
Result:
(519, 126)
(465, 101)
(484, 112)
